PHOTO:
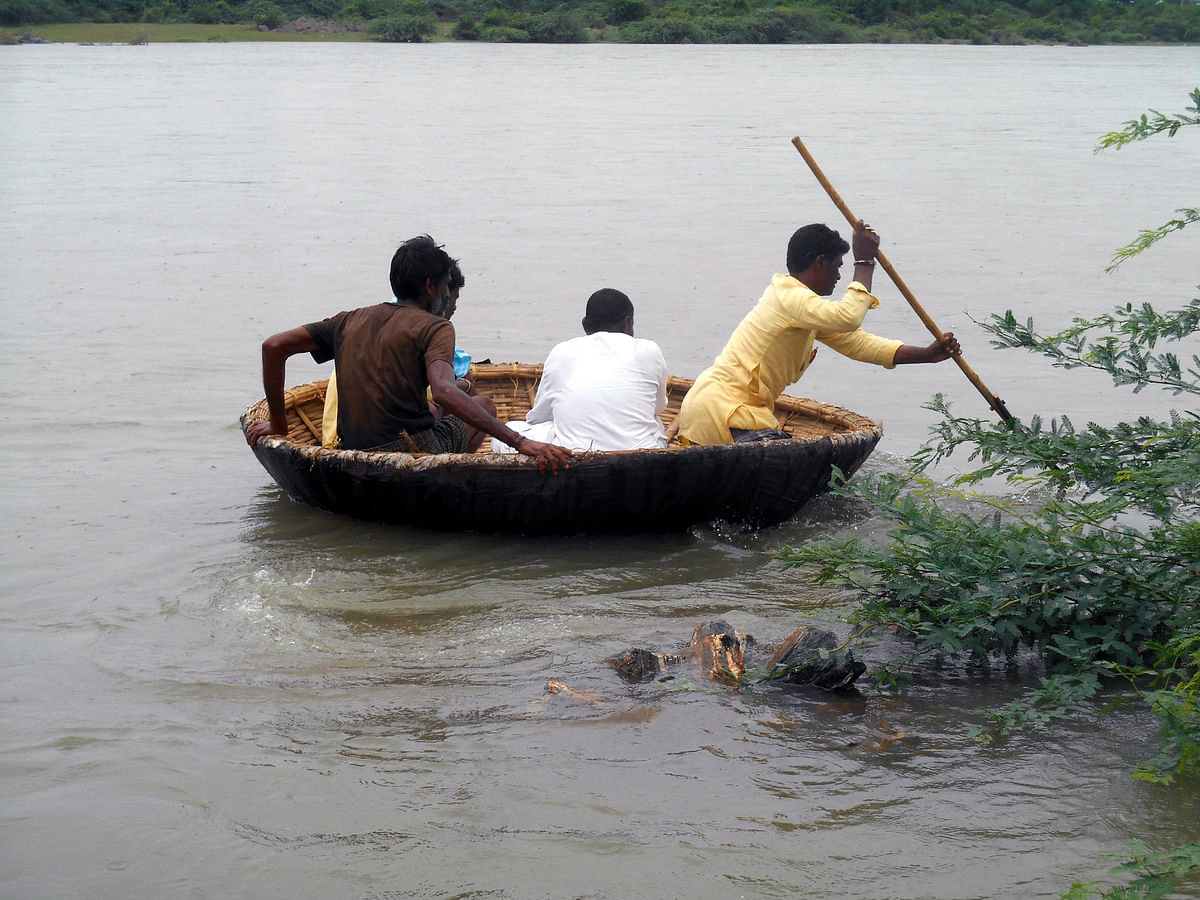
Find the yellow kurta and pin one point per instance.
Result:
(770, 350)
(329, 432)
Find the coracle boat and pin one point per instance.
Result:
(755, 484)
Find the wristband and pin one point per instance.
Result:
(864, 262)
(520, 441)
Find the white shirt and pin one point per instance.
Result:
(602, 391)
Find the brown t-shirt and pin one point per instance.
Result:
(381, 353)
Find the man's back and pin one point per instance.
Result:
(382, 352)
(603, 391)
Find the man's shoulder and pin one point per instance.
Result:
(785, 296)
(647, 345)
(389, 324)
(572, 346)
(785, 285)
(644, 348)
(405, 318)
(650, 357)
(358, 312)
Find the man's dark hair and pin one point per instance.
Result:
(810, 242)
(606, 310)
(416, 260)
(457, 279)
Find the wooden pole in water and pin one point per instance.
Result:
(993, 401)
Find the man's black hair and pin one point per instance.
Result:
(457, 279)
(606, 310)
(416, 260)
(810, 242)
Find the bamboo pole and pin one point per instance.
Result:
(993, 401)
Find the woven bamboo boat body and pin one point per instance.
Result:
(755, 484)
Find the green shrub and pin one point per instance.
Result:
(265, 13)
(365, 10)
(1173, 24)
(465, 29)
(212, 13)
(1127, 37)
(621, 11)
(498, 34)
(1006, 36)
(402, 29)
(554, 28)
(810, 26)
(771, 27)
(1043, 30)
(663, 31)
(944, 25)
(317, 9)
(879, 12)
(34, 12)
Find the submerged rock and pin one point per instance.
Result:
(643, 665)
(717, 652)
(807, 657)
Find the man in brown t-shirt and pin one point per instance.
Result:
(386, 356)
(382, 353)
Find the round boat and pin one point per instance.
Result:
(755, 484)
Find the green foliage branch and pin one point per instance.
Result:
(1148, 125)
(1096, 565)
(1156, 875)
(1145, 238)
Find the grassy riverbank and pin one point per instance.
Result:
(185, 33)
(629, 21)
(137, 33)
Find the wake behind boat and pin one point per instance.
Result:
(754, 484)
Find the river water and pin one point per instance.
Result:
(210, 691)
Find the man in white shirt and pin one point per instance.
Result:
(602, 391)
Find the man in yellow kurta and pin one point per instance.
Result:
(773, 345)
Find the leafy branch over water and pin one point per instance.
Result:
(1148, 125)
(1101, 575)
(1153, 235)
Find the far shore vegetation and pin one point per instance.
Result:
(632, 21)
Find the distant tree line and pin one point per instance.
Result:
(670, 21)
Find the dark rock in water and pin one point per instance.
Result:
(643, 665)
(799, 661)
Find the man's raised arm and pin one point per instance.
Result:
(275, 352)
